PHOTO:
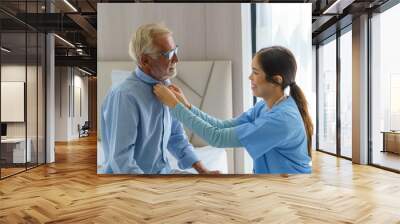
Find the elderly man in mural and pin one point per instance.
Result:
(136, 128)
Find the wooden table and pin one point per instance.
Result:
(391, 141)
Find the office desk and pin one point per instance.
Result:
(13, 150)
(391, 141)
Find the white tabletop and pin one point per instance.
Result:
(12, 140)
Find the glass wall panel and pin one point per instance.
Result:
(32, 87)
(385, 85)
(31, 100)
(346, 94)
(13, 110)
(41, 97)
(327, 96)
(22, 89)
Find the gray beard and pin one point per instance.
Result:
(173, 75)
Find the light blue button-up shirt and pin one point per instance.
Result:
(137, 130)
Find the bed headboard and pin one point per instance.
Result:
(207, 85)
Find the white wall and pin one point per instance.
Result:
(61, 103)
(203, 32)
(13, 94)
(83, 83)
(18, 73)
(67, 82)
(207, 32)
(33, 125)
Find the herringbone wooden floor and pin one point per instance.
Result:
(70, 191)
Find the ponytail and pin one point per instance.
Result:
(301, 102)
(278, 60)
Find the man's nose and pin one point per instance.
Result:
(175, 58)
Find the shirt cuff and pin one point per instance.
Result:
(179, 106)
(188, 160)
(194, 109)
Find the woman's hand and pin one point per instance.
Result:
(179, 95)
(165, 96)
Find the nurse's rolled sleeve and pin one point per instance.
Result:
(262, 135)
(180, 147)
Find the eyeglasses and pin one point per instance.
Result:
(170, 54)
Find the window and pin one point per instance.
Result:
(346, 94)
(385, 89)
(327, 96)
(274, 27)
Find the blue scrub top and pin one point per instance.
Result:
(275, 138)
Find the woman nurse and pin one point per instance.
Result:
(276, 132)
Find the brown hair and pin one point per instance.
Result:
(277, 60)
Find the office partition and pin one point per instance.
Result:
(22, 77)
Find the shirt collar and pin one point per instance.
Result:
(277, 103)
(148, 79)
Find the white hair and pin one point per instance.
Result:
(142, 41)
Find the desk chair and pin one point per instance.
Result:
(84, 130)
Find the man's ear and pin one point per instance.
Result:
(144, 61)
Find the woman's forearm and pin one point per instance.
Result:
(215, 136)
(212, 120)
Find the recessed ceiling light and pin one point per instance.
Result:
(84, 71)
(5, 49)
(338, 6)
(70, 5)
(64, 40)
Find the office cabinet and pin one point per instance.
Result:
(391, 141)
(13, 151)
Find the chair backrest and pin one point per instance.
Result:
(86, 125)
